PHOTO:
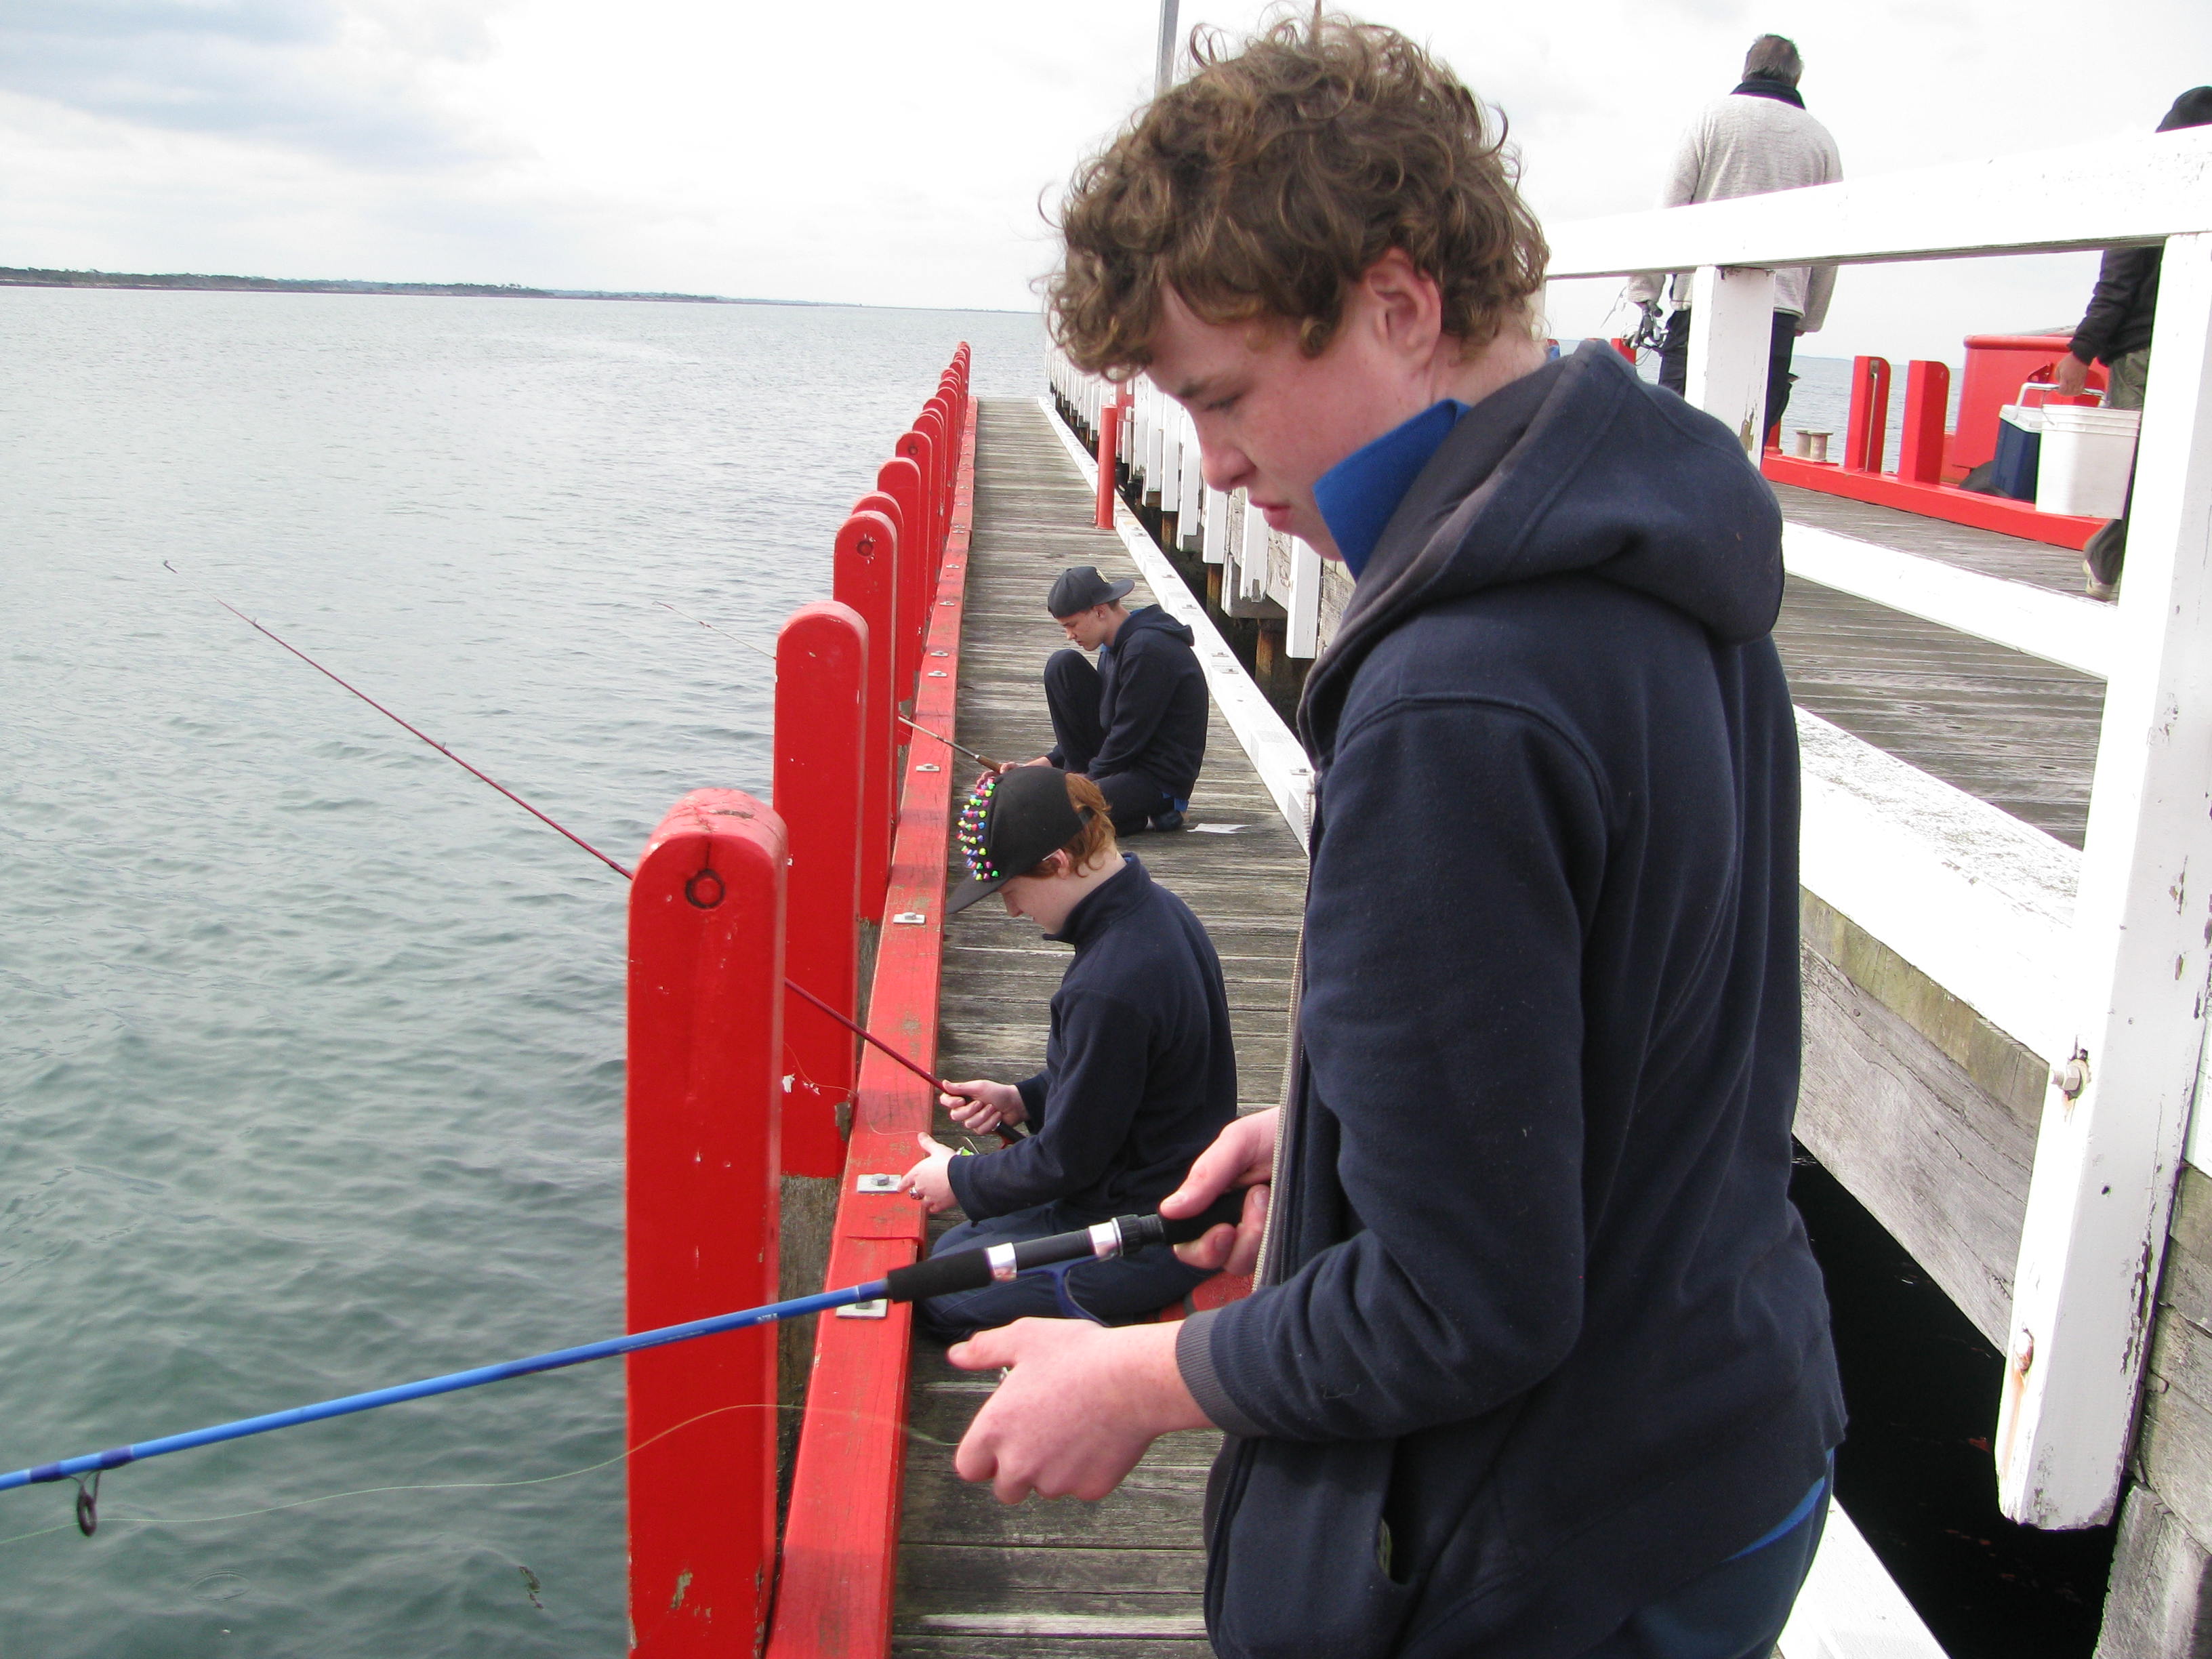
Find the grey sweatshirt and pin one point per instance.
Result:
(1746, 145)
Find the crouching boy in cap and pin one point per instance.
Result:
(1537, 1365)
(1140, 1073)
(1135, 725)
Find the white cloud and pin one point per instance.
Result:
(886, 153)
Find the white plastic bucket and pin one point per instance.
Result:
(2088, 454)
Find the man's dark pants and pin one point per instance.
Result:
(1071, 693)
(1106, 1292)
(1674, 361)
(1734, 1612)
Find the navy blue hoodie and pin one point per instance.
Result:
(1540, 1338)
(1152, 702)
(1139, 1069)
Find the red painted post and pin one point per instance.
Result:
(821, 690)
(865, 576)
(901, 479)
(1109, 449)
(932, 424)
(1867, 426)
(701, 1192)
(914, 444)
(1624, 347)
(1920, 439)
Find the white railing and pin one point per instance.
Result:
(2098, 962)
(1266, 573)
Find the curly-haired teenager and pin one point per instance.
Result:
(1539, 1362)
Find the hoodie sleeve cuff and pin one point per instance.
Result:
(1032, 1091)
(957, 1174)
(1195, 1361)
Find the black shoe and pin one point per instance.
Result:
(1171, 819)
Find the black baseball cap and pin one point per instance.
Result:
(1080, 586)
(1015, 819)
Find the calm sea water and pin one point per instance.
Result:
(311, 1060)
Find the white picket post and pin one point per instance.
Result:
(1301, 633)
(1731, 327)
(2106, 1155)
(1213, 547)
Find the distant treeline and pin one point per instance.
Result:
(30, 276)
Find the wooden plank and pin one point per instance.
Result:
(1124, 1575)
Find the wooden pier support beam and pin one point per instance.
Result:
(866, 577)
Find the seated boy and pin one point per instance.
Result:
(1140, 1073)
(1135, 725)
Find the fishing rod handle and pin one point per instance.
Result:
(971, 1270)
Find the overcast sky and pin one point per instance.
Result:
(895, 154)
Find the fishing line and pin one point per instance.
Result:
(395, 719)
(724, 632)
(851, 1025)
(922, 1435)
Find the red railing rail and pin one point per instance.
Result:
(732, 1083)
(702, 1184)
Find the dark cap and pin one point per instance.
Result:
(1079, 587)
(2192, 109)
(1012, 824)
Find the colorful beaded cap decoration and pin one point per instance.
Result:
(973, 817)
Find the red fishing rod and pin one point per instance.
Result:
(854, 1026)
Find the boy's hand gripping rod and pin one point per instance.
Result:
(961, 1270)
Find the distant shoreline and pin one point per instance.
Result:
(33, 277)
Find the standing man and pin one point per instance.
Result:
(1135, 725)
(2116, 332)
(1538, 1364)
(1757, 139)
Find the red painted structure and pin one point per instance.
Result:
(840, 1549)
(701, 1191)
(821, 690)
(1110, 455)
(1917, 485)
(865, 577)
(1997, 366)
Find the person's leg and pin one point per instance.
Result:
(1130, 1287)
(1132, 800)
(1674, 354)
(1734, 1612)
(1028, 1296)
(1784, 344)
(1071, 696)
(2107, 551)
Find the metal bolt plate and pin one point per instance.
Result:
(929, 766)
(875, 1184)
(939, 674)
(879, 1309)
(909, 918)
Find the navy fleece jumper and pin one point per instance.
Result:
(1540, 1338)
(1152, 704)
(1139, 1070)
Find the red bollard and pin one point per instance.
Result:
(701, 1190)
(900, 479)
(915, 445)
(1867, 426)
(866, 577)
(821, 690)
(1109, 448)
(1927, 406)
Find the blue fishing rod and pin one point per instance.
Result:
(940, 1275)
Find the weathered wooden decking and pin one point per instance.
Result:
(1121, 1577)
(2016, 731)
